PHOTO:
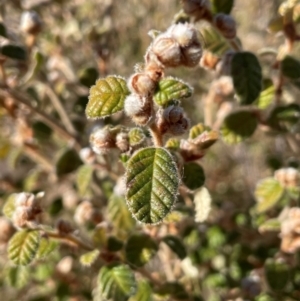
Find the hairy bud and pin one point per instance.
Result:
(7, 230)
(173, 114)
(185, 34)
(85, 212)
(196, 8)
(192, 55)
(288, 177)
(22, 216)
(209, 60)
(87, 155)
(226, 25)
(31, 22)
(102, 140)
(64, 227)
(122, 141)
(141, 84)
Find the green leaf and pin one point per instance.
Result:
(213, 41)
(68, 161)
(136, 136)
(238, 126)
(3, 30)
(276, 24)
(139, 249)
(277, 273)
(144, 292)
(46, 247)
(23, 246)
(107, 97)
(116, 282)
(175, 244)
(35, 67)
(171, 88)
(119, 214)
(152, 184)
(221, 6)
(194, 176)
(267, 192)
(14, 52)
(290, 67)
(174, 289)
(9, 206)
(84, 176)
(89, 258)
(173, 144)
(17, 276)
(247, 77)
(114, 244)
(202, 201)
(271, 225)
(197, 130)
(266, 97)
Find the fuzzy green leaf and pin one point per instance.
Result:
(247, 77)
(89, 258)
(222, 6)
(277, 274)
(46, 247)
(107, 97)
(170, 88)
(238, 126)
(197, 130)
(202, 201)
(119, 214)
(268, 192)
(14, 52)
(290, 67)
(136, 136)
(23, 247)
(173, 144)
(116, 282)
(175, 244)
(266, 97)
(139, 249)
(9, 206)
(144, 292)
(152, 184)
(194, 176)
(68, 161)
(84, 176)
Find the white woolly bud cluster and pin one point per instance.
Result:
(288, 177)
(102, 140)
(226, 25)
(30, 23)
(171, 120)
(27, 209)
(85, 212)
(122, 141)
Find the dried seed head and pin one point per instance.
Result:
(122, 141)
(30, 23)
(87, 155)
(226, 25)
(102, 141)
(167, 50)
(192, 55)
(141, 84)
(185, 34)
(209, 60)
(64, 227)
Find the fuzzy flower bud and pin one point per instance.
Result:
(102, 140)
(122, 141)
(28, 201)
(87, 155)
(192, 55)
(209, 60)
(21, 217)
(288, 177)
(185, 34)
(31, 22)
(226, 25)
(173, 114)
(141, 84)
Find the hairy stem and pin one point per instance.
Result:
(157, 137)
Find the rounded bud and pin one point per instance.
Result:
(102, 140)
(31, 22)
(179, 128)
(122, 141)
(87, 155)
(288, 177)
(226, 25)
(28, 201)
(185, 34)
(209, 60)
(196, 8)
(83, 212)
(173, 114)
(192, 55)
(21, 216)
(7, 230)
(167, 50)
(141, 84)
(64, 227)
(133, 105)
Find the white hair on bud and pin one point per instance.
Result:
(183, 33)
(133, 105)
(25, 199)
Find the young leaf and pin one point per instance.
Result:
(222, 6)
(9, 206)
(290, 67)
(68, 160)
(46, 247)
(277, 274)
(14, 52)
(202, 200)
(114, 244)
(193, 175)
(144, 292)
(238, 126)
(139, 249)
(247, 77)
(116, 282)
(197, 130)
(152, 184)
(89, 258)
(17, 276)
(136, 136)
(83, 178)
(107, 97)
(173, 144)
(23, 246)
(266, 97)
(271, 225)
(268, 192)
(119, 214)
(175, 244)
(170, 88)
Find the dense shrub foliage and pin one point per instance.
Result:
(149, 150)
